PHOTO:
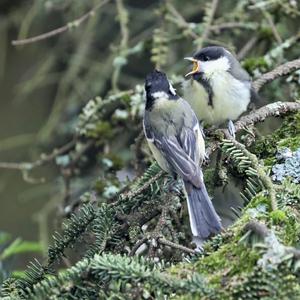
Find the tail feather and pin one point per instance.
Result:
(204, 220)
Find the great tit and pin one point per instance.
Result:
(175, 139)
(218, 88)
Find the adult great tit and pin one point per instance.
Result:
(218, 89)
(175, 139)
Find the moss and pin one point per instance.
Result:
(259, 200)
(267, 285)
(231, 267)
(289, 230)
(252, 63)
(288, 135)
(231, 259)
(278, 216)
(99, 186)
(117, 162)
(288, 194)
(209, 175)
(101, 130)
(292, 142)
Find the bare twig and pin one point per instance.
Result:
(43, 159)
(279, 71)
(162, 242)
(123, 20)
(232, 25)
(137, 246)
(78, 154)
(25, 167)
(176, 246)
(247, 47)
(69, 26)
(180, 21)
(272, 25)
(208, 23)
(157, 232)
(138, 191)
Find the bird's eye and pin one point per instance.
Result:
(206, 58)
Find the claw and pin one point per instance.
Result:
(231, 129)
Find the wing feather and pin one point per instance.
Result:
(182, 163)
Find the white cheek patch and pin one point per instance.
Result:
(219, 65)
(160, 94)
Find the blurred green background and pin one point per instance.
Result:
(45, 84)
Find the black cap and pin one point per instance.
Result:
(210, 53)
(156, 81)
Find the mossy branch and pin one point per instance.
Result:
(279, 71)
(275, 109)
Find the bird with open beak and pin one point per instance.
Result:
(218, 88)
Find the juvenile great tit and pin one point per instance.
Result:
(218, 88)
(175, 139)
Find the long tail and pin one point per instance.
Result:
(204, 220)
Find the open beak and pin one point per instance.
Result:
(196, 66)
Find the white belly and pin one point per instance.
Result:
(230, 98)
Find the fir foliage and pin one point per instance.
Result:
(133, 242)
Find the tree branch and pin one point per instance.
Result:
(279, 71)
(247, 47)
(180, 21)
(176, 246)
(208, 23)
(273, 109)
(69, 26)
(263, 231)
(265, 179)
(131, 194)
(44, 158)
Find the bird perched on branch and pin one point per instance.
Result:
(175, 139)
(218, 88)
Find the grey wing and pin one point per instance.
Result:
(179, 160)
(192, 138)
(256, 100)
(147, 128)
(158, 155)
(236, 69)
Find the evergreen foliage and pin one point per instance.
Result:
(131, 239)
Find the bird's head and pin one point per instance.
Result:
(157, 86)
(210, 60)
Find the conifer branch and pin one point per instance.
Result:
(266, 180)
